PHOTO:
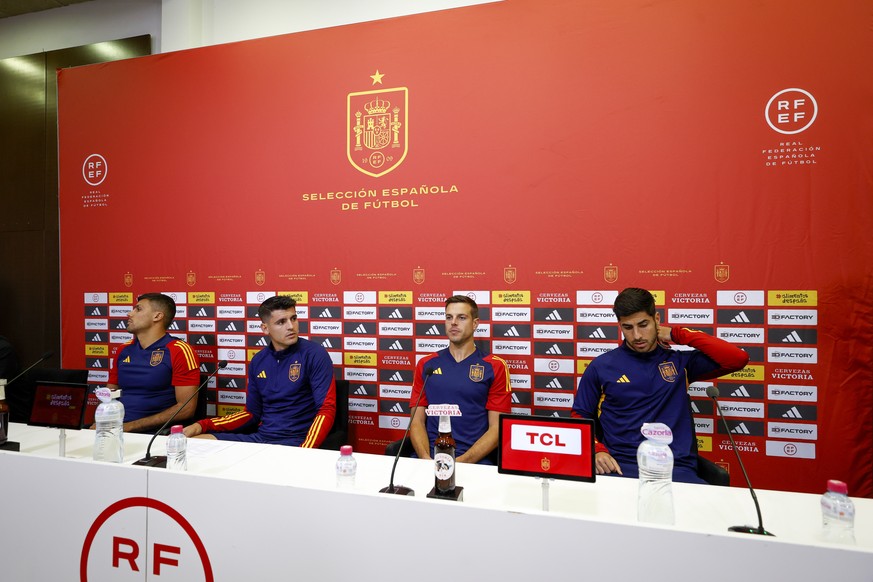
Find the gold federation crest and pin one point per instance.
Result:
(418, 276)
(610, 273)
(294, 372)
(336, 276)
(510, 275)
(668, 371)
(128, 279)
(545, 464)
(260, 277)
(722, 272)
(157, 357)
(191, 278)
(477, 372)
(377, 132)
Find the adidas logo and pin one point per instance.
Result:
(396, 377)
(741, 317)
(262, 374)
(326, 313)
(396, 346)
(623, 379)
(741, 429)
(741, 392)
(512, 332)
(230, 327)
(232, 384)
(554, 316)
(395, 314)
(433, 330)
(326, 343)
(360, 329)
(438, 371)
(202, 341)
(201, 313)
(694, 409)
(555, 350)
(555, 415)
(597, 334)
(121, 325)
(793, 337)
(792, 413)
(126, 360)
(361, 391)
(261, 342)
(397, 408)
(554, 384)
(204, 369)
(174, 326)
(96, 311)
(97, 364)
(515, 399)
(96, 338)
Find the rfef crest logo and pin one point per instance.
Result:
(377, 129)
(791, 111)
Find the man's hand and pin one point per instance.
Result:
(605, 464)
(664, 336)
(192, 430)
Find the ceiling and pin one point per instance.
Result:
(17, 7)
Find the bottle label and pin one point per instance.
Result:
(444, 466)
(658, 432)
(103, 394)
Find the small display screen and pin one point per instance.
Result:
(59, 405)
(550, 447)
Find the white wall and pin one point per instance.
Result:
(183, 24)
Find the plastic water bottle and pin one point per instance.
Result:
(109, 418)
(655, 460)
(177, 449)
(837, 514)
(346, 468)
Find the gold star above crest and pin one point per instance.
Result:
(377, 78)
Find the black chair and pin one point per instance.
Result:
(712, 473)
(392, 448)
(339, 432)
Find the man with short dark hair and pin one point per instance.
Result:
(291, 394)
(643, 380)
(157, 373)
(463, 375)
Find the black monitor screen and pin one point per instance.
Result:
(59, 405)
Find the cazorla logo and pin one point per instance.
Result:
(377, 133)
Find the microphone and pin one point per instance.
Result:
(42, 359)
(400, 489)
(712, 392)
(160, 461)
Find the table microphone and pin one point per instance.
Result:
(400, 489)
(160, 461)
(712, 392)
(42, 358)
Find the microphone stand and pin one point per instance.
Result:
(42, 359)
(712, 392)
(400, 489)
(160, 461)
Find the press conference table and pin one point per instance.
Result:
(258, 512)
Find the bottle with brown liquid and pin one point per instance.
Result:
(444, 457)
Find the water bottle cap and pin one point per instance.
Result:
(346, 450)
(838, 487)
(176, 429)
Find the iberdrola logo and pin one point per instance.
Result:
(377, 135)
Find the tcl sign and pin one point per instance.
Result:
(140, 537)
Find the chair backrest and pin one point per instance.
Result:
(339, 432)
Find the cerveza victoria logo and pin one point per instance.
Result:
(377, 133)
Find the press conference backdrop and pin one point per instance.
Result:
(537, 155)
